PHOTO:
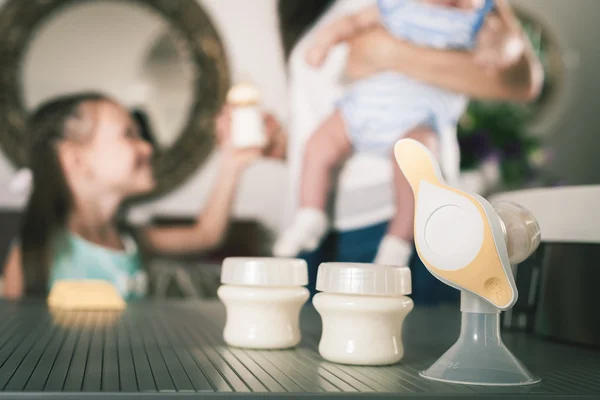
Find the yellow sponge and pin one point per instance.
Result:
(85, 295)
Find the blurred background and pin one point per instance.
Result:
(151, 59)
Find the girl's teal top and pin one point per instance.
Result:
(77, 258)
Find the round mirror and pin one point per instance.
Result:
(546, 108)
(163, 60)
(165, 84)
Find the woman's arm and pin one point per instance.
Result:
(341, 30)
(13, 275)
(211, 227)
(502, 67)
(453, 70)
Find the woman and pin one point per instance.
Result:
(360, 220)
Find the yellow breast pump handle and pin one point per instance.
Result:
(486, 273)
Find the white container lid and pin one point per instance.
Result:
(264, 272)
(367, 279)
(243, 93)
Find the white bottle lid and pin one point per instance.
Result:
(243, 93)
(264, 272)
(367, 279)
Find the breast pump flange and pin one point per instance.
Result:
(470, 245)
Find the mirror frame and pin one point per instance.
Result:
(543, 109)
(19, 21)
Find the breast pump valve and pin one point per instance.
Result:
(521, 230)
(469, 244)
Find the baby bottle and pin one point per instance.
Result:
(363, 307)
(263, 298)
(247, 125)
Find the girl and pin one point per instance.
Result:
(87, 157)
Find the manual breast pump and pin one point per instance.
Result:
(469, 244)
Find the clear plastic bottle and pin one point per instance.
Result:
(363, 307)
(263, 298)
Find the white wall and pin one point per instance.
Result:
(250, 32)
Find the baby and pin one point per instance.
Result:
(378, 111)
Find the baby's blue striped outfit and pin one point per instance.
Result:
(380, 109)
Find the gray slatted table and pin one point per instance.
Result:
(175, 349)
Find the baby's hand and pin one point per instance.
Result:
(498, 47)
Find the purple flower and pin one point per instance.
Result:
(494, 156)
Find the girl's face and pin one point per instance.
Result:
(115, 159)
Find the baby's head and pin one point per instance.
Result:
(91, 144)
(460, 4)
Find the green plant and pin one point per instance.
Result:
(498, 130)
(501, 130)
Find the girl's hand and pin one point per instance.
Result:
(276, 137)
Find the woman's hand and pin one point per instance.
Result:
(276, 136)
(499, 46)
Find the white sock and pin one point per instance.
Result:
(393, 251)
(305, 233)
